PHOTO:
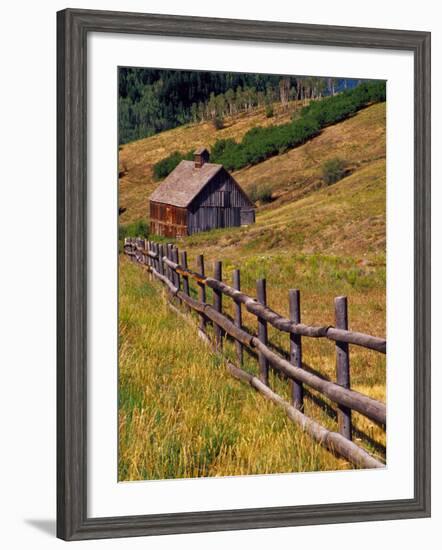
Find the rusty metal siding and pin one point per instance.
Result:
(167, 213)
(167, 220)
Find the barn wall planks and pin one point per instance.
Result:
(221, 203)
(167, 220)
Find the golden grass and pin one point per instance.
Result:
(181, 414)
(326, 241)
(136, 159)
(358, 140)
(344, 219)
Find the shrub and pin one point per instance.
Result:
(165, 166)
(333, 170)
(218, 123)
(220, 146)
(136, 229)
(269, 110)
(259, 143)
(261, 193)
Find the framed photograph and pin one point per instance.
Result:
(243, 225)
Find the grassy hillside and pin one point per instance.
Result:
(326, 240)
(181, 414)
(347, 218)
(358, 140)
(136, 159)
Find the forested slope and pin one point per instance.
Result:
(154, 100)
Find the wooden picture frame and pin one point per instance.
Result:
(73, 27)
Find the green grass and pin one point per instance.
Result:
(181, 414)
(260, 143)
(345, 219)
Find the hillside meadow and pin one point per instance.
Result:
(180, 412)
(136, 159)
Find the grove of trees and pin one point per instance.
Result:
(153, 100)
(260, 143)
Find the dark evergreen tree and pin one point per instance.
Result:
(153, 100)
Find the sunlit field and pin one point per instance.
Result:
(181, 414)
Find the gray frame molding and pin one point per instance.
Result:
(72, 28)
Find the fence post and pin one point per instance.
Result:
(134, 249)
(155, 260)
(146, 258)
(169, 257)
(175, 256)
(153, 264)
(148, 248)
(238, 316)
(168, 271)
(137, 247)
(261, 293)
(183, 262)
(218, 303)
(202, 291)
(160, 259)
(343, 365)
(296, 348)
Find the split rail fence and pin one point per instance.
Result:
(171, 268)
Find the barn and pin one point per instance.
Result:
(198, 196)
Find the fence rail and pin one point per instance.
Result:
(170, 267)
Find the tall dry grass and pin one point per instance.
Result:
(181, 414)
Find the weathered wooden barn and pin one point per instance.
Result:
(198, 196)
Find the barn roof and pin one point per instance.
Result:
(184, 183)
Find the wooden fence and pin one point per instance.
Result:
(171, 268)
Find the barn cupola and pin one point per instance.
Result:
(201, 156)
